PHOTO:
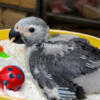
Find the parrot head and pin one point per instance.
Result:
(29, 31)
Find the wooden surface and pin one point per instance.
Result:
(16, 7)
(28, 4)
(0, 14)
(21, 3)
(14, 2)
(10, 17)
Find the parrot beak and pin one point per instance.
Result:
(15, 37)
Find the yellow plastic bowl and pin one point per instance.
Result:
(4, 34)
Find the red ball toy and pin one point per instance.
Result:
(12, 77)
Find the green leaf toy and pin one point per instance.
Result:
(2, 53)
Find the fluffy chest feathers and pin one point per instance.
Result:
(52, 48)
(57, 49)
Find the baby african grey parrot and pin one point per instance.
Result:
(64, 69)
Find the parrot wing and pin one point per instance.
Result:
(71, 59)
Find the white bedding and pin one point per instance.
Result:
(18, 56)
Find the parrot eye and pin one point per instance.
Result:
(31, 29)
(17, 27)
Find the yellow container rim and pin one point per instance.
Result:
(4, 34)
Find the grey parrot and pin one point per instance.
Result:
(64, 69)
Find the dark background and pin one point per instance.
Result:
(73, 15)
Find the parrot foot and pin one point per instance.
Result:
(65, 94)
